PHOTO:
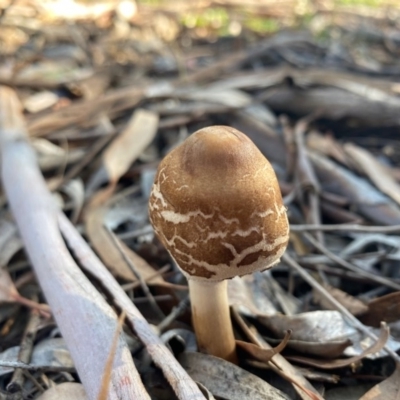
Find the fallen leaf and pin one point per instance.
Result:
(354, 305)
(385, 308)
(47, 353)
(75, 190)
(374, 170)
(228, 97)
(363, 197)
(279, 364)
(205, 391)
(40, 101)
(341, 363)
(323, 333)
(226, 380)
(260, 353)
(110, 254)
(327, 145)
(126, 147)
(51, 156)
(245, 294)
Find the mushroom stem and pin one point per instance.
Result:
(211, 318)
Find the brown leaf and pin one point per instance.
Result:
(331, 349)
(327, 145)
(355, 306)
(374, 170)
(385, 308)
(260, 353)
(226, 380)
(127, 147)
(108, 252)
(389, 389)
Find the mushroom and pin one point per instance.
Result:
(217, 208)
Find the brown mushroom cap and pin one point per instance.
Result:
(217, 207)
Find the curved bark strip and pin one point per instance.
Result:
(86, 321)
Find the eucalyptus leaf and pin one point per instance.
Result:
(226, 380)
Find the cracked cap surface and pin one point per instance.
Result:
(217, 208)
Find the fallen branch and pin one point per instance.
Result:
(86, 321)
(181, 383)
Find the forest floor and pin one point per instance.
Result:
(107, 89)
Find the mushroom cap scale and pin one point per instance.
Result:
(217, 207)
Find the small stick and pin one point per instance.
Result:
(136, 233)
(309, 183)
(138, 276)
(78, 167)
(353, 268)
(134, 285)
(35, 382)
(344, 274)
(345, 227)
(25, 351)
(30, 367)
(175, 313)
(161, 297)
